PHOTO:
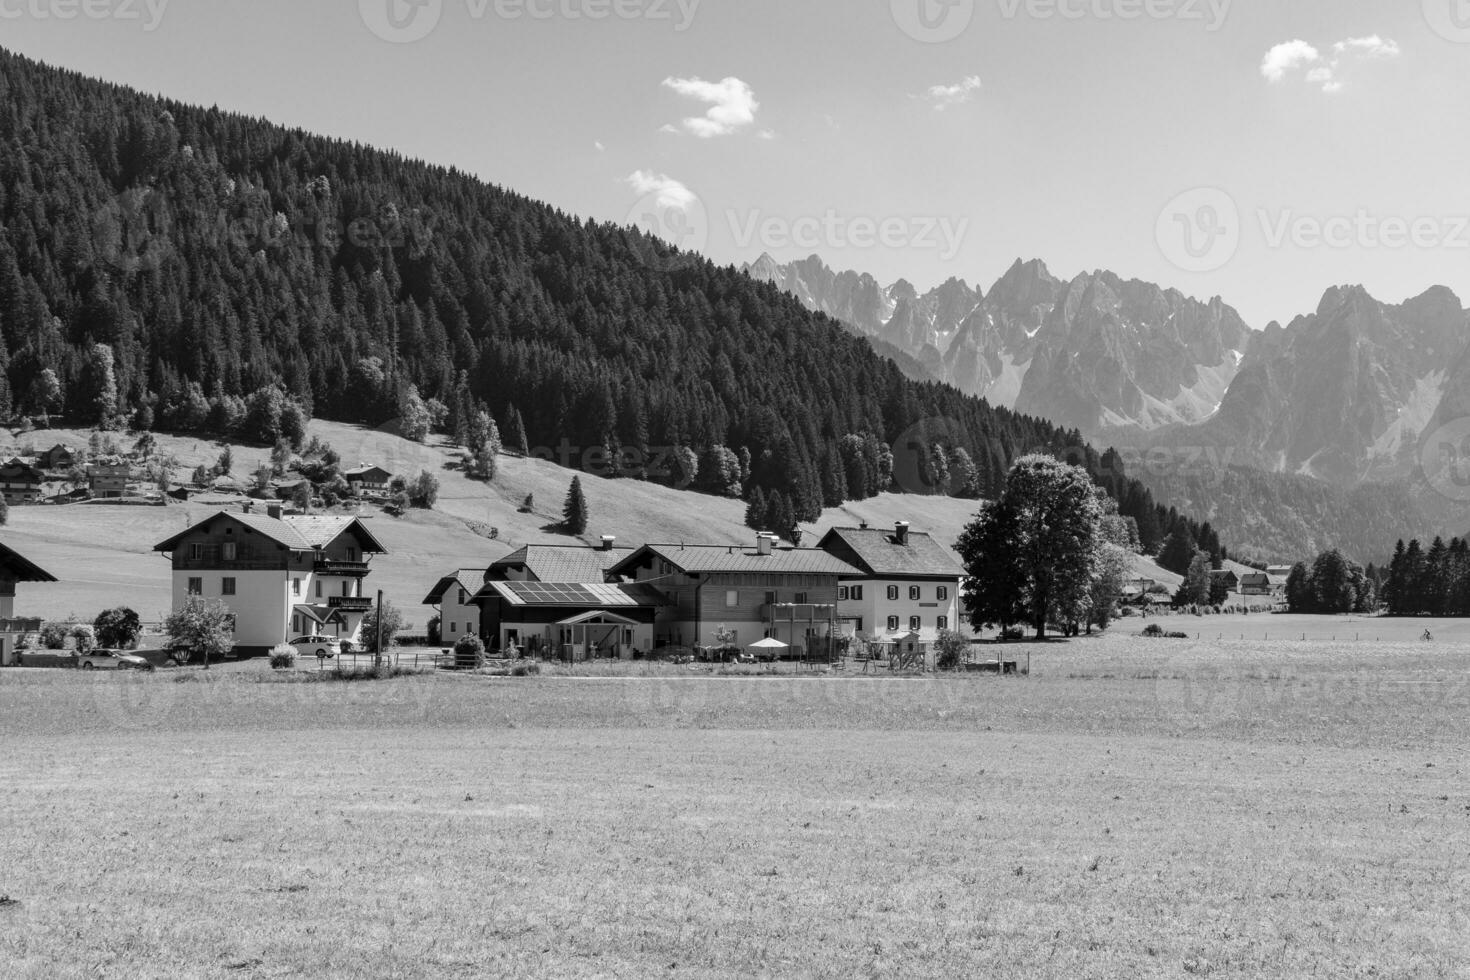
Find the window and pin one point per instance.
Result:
(943, 623)
(318, 588)
(943, 593)
(915, 593)
(892, 623)
(464, 597)
(732, 599)
(196, 552)
(296, 586)
(453, 627)
(229, 551)
(227, 586)
(346, 589)
(914, 623)
(893, 593)
(352, 554)
(196, 586)
(770, 598)
(842, 593)
(856, 593)
(296, 625)
(801, 598)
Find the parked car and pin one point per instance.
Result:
(113, 660)
(324, 647)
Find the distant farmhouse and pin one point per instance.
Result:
(109, 480)
(368, 479)
(58, 458)
(15, 568)
(895, 585)
(1231, 580)
(908, 584)
(452, 596)
(20, 482)
(1255, 584)
(281, 576)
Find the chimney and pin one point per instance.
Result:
(273, 510)
(901, 532)
(246, 506)
(763, 544)
(608, 541)
(863, 526)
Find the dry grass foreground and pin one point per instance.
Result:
(1134, 809)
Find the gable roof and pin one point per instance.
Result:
(365, 470)
(562, 563)
(22, 567)
(709, 559)
(469, 579)
(877, 552)
(18, 466)
(297, 532)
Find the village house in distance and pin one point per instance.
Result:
(281, 576)
(893, 586)
(910, 585)
(15, 568)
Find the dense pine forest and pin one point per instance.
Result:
(162, 264)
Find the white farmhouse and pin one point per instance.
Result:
(907, 583)
(281, 576)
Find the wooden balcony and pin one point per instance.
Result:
(329, 566)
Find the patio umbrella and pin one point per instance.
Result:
(770, 643)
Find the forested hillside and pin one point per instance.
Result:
(160, 263)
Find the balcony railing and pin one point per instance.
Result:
(330, 567)
(350, 603)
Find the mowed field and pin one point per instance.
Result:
(1133, 809)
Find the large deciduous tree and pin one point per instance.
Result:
(1041, 538)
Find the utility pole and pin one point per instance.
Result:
(378, 641)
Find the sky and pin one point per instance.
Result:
(1258, 150)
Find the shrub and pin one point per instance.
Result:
(283, 656)
(53, 636)
(529, 668)
(392, 623)
(83, 637)
(117, 628)
(469, 652)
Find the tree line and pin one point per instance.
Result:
(169, 266)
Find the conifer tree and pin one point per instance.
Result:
(574, 513)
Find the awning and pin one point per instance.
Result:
(601, 618)
(770, 643)
(320, 614)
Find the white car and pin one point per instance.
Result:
(113, 660)
(322, 647)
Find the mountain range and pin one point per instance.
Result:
(1334, 411)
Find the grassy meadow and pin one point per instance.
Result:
(1132, 809)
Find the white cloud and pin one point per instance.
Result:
(943, 96)
(732, 105)
(597, 144)
(1288, 57)
(666, 191)
(1284, 59)
(1370, 47)
(766, 134)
